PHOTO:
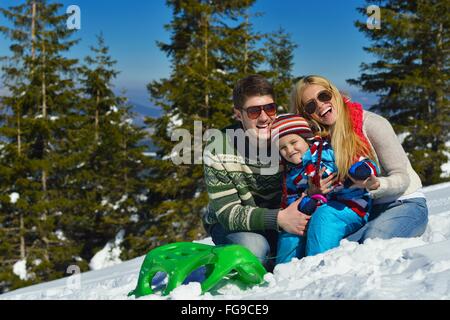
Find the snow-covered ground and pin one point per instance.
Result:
(417, 268)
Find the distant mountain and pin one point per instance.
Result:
(3, 91)
(146, 110)
(365, 98)
(140, 113)
(143, 111)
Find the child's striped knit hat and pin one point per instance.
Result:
(290, 124)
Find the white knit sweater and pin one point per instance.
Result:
(398, 178)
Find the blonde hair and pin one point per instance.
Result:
(347, 145)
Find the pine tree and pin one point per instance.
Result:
(112, 164)
(208, 42)
(279, 52)
(241, 44)
(35, 116)
(411, 75)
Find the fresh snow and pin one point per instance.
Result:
(60, 235)
(174, 122)
(414, 268)
(20, 269)
(109, 255)
(149, 154)
(134, 218)
(142, 197)
(446, 166)
(402, 136)
(112, 109)
(13, 197)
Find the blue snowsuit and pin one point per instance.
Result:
(345, 212)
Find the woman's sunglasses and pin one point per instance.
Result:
(255, 111)
(323, 96)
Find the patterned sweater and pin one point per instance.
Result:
(242, 196)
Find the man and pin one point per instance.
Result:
(244, 205)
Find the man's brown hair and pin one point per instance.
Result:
(251, 86)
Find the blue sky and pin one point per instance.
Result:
(328, 43)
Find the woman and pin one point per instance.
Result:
(400, 208)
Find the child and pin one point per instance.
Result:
(343, 211)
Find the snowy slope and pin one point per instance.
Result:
(417, 268)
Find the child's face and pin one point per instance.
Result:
(292, 147)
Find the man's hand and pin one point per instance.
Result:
(293, 221)
(371, 183)
(326, 185)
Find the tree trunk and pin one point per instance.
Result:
(33, 29)
(44, 115)
(21, 227)
(44, 85)
(205, 56)
(22, 238)
(97, 116)
(19, 132)
(246, 45)
(440, 56)
(19, 135)
(125, 151)
(47, 243)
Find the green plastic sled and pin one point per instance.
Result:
(178, 260)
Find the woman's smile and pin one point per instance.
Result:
(326, 114)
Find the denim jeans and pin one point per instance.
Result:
(261, 244)
(400, 218)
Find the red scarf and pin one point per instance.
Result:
(356, 113)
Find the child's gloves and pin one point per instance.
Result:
(361, 170)
(308, 205)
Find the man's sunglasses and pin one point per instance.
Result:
(254, 112)
(323, 96)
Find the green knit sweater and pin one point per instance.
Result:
(241, 198)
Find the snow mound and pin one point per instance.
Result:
(20, 269)
(14, 197)
(414, 268)
(109, 255)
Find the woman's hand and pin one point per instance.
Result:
(293, 221)
(326, 185)
(371, 183)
